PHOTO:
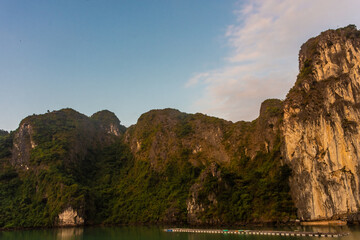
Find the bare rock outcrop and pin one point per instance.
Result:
(70, 217)
(22, 145)
(320, 127)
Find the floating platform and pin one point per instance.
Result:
(257, 232)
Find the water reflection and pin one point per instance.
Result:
(69, 233)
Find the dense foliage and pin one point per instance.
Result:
(254, 190)
(55, 176)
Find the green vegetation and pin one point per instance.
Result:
(3, 133)
(306, 71)
(56, 175)
(148, 196)
(306, 74)
(350, 32)
(6, 142)
(250, 191)
(183, 129)
(271, 108)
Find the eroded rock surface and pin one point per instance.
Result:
(320, 128)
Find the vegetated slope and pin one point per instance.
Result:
(321, 127)
(205, 170)
(63, 168)
(46, 169)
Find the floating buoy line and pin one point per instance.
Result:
(256, 232)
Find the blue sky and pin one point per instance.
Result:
(218, 57)
(125, 56)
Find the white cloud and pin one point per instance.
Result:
(196, 78)
(265, 42)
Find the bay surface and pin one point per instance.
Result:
(152, 233)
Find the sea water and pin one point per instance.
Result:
(152, 233)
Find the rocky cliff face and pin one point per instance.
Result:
(321, 127)
(197, 208)
(109, 122)
(71, 132)
(23, 143)
(226, 156)
(160, 135)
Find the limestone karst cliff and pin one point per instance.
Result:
(233, 167)
(298, 159)
(321, 127)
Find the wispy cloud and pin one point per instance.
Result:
(265, 42)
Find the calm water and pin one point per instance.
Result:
(152, 233)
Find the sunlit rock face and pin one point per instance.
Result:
(22, 145)
(70, 217)
(321, 127)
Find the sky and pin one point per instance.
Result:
(217, 57)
